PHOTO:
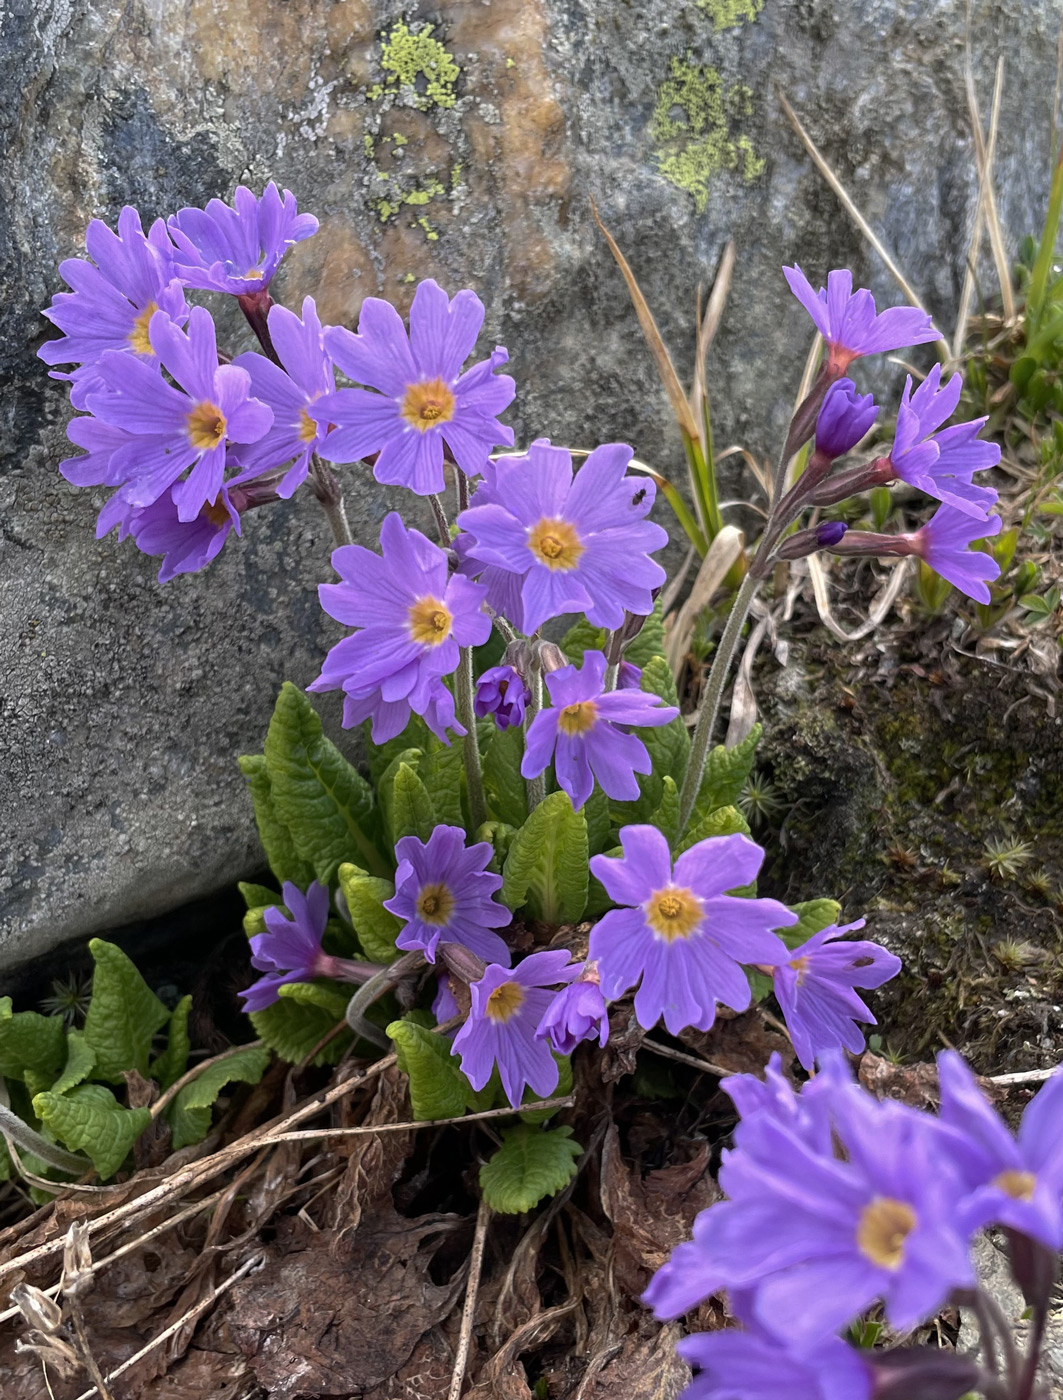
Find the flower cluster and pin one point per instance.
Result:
(836, 1201)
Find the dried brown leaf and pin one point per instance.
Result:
(646, 1366)
(742, 1044)
(373, 1163)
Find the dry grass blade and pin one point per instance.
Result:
(672, 387)
(724, 550)
(710, 323)
(880, 604)
(856, 216)
(743, 701)
(468, 1312)
(987, 207)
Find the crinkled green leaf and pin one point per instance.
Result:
(441, 770)
(507, 796)
(657, 679)
(327, 995)
(325, 803)
(438, 1089)
(80, 1062)
(291, 1029)
(726, 771)
(284, 860)
(724, 821)
(546, 867)
(583, 636)
(499, 837)
(532, 1163)
(379, 757)
(189, 1114)
(254, 921)
(376, 927)
(666, 817)
(412, 813)
(258, 896)
(596, 810)
(167, 1068)
(668, 748)
(385, 788)
(123, 1015)
(30, 1041)
(90, 1119)
(813, 915)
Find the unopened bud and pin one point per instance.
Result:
(929, 1373)
(806, 542)
(464, 964)
(844, 419)
(551, 657)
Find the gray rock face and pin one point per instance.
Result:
(468, 152)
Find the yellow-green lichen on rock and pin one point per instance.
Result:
(692, 129)
(728, 14)
(418, 65)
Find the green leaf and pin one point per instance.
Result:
(657, 679)
(379, 757)
(123, 1015)
(189, 1114)
(531, 1163)
(499, 837)
(376, 927)
(726, 771)
(291, 1029)
(254, 921)
(167, 1068)
(760, 984)
(1040, 608)
(724, 821)
(441, 770)
(668, 748)
(30, 1041)
(813, 915)
(284, 860)
(327, 805)
(596, 810)
(507, 796)
(583, 636)
(90, 1119)
(546, 867)
(258, 896)
(385, 788)
(666, 817)
(438, 1089)
(649, 643)
(80, 1062)
(412, 813)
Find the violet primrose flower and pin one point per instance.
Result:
(681, 933)
(580, 733)
(573, 543)
(507, 1008)
(290, 949)
(289, 391)
(844, 419)
(847, 320)
(815, 990)
(172, 429)
(412, 617)
(113, 299)
(578, 1012)
(1017, 1183)
(445, 893)
(185, 546)
(943, 543)
(942, 463)
(733, 1365)
(424, 400)
(501, 692)
(237, 250)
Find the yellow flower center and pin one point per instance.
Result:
(427, 404)
(253, 274)
(216, 513)
(673, 913)
(1018, 1185)
(206, 426)
(577, 719)
(885, 1225)
(307, 427)
(556, 544)
(505, 1001)
(139, 340)
(435, 904)
(430, 622)
(800, 966)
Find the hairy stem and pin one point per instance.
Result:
(474, 777)
(535, 787)
(13, 1128)
(326, 488)
(372, 990)
(442, 524)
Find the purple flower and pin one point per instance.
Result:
(290, 949)
(844, 419)
(573, 544)
(814, 1239)
(680, 932)
(942, 463)
(186, 546)
(578, 1012)
(289, 391)
(580, 733)
(734, 1365)
(501, 692)
(628, 676)
(1017, 1183)
(848, 323)
(445, 892)
(172, 429)
(412, 617)
(424, 399)
(113, 299)
(507, 1007)
(943, 542)
(237, 250)
(445, 1004)
(101, 441)
(815, 990)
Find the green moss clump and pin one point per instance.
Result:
(728, 14)
(416, 63)
(692, 132)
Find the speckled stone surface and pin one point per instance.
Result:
(469, 154)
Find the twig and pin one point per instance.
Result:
(171, 1093)
(364, 1130)
(468, 1312)
(1022, 1076)
(255, 1262)
(706, 1066)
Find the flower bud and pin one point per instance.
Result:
(501, 692)
(844, 419)
(804, 542)
(551, 657)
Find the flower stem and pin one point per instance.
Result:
(369, 992)
(474, 777)
(326, 488)
(710, 705)
(12, 1126)
(441, 521)
(535, 787)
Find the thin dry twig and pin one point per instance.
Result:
(1022, 1076)
(468, 1312)
(709, 324)
(986, 211)
(694, 1061)
(365, 1130)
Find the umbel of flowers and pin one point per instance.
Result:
(579, 846)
